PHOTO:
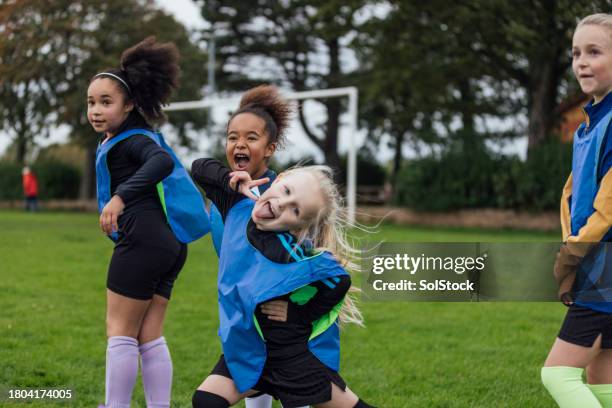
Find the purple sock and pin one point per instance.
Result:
(121, 371)
(156, 373)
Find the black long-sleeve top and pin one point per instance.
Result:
(283, 339)
(136, 165)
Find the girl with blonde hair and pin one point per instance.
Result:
(288, 243)
(585, 338)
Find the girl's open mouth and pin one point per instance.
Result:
(241, 161)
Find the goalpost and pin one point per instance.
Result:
(350, 92)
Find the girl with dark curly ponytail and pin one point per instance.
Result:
(132, 167)
(254, 132)
(290, 366)
(148, 74)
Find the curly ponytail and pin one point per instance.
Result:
(265, 102)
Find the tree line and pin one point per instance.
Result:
(430, 74)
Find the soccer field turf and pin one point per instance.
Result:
(52, 333)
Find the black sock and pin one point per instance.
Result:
(205, 399)
(362, 404)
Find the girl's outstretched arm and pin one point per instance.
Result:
(213, 176)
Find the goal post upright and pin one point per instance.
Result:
(350, 92)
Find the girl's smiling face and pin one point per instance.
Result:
(247, 146)
(291, 203)
(592, 60)
(106, 106)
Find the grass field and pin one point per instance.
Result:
(52, 300)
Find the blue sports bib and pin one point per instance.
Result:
(594, 272)
(181, 200)
(216, 220)
(247, 278)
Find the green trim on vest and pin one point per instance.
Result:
(324, 322)
(162, 197)
(303, 295)
(258, 328)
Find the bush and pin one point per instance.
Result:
(450, 181)
(456, 180)
(55, 180)
(369, 171)
(10, 181)
(535, 184)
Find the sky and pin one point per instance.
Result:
(184, 11)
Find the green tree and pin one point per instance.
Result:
(524, 43)
(27, 97)
(415, 75)
(436, 68)
(299, 43)
(64, 43)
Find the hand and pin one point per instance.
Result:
(241, 181)
(276, 310)
(567, 299)
(110, 213)
(564, 271)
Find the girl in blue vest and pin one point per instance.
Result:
(585, 338)
(256, 265)
(137, 201)
(254, 133)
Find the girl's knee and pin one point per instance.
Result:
(205, 399)
(115, 327)
(555, 378)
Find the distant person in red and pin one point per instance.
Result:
(30, 189)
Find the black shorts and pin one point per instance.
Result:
(298, 382)
(582, 326)
(147, 257)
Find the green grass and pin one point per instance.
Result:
(52, 300)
